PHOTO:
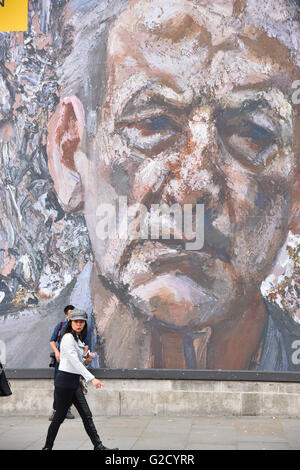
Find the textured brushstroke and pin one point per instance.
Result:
(42, 248)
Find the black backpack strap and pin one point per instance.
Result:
(59, 331)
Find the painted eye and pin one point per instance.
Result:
(254, 144)
(152, 134)
(157, 124)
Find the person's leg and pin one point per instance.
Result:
(85, 413)
(55, 374)
(64, 398)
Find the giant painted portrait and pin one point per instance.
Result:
(149, 160)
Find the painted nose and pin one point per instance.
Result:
(194, 173)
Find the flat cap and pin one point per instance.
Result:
(77, 314)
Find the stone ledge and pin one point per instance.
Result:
(131, 397)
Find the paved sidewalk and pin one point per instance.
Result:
(156, 433)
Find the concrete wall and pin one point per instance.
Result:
(163, 397)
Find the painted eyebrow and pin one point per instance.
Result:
(249, 105)
(280, 83)
(155, 99)
(261, 90)
(255, 103)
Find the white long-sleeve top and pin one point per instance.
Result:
(71, 357)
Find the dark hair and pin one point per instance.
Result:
(81, 335)
(67, 308)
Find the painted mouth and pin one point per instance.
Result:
(152, 259)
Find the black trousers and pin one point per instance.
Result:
(65, 397)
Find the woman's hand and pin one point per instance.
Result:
(97, 384)
(89, 359)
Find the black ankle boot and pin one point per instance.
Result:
(100, 446)
(93, 434)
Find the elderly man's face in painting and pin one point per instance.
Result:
(197, 111)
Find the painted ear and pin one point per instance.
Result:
(65, 130)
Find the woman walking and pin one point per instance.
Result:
(73, 355)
